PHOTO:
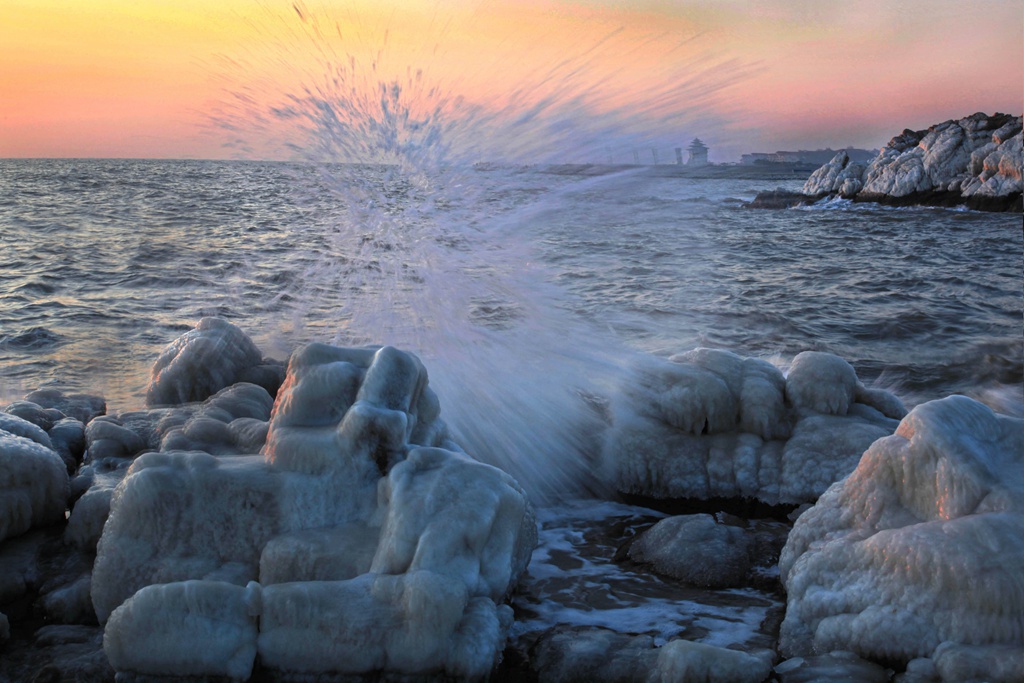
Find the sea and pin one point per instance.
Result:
(528, 292)
(104, 262)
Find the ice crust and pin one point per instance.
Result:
(922, 543)
(357, 519)
(33, 479)
(710, 424)
(210, 357)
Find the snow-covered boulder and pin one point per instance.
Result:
(709, 424)
(33, 479)
(923, 543)
(212, 356)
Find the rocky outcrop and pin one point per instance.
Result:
(205, 542)
(974, 161)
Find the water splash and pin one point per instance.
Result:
(418, 248)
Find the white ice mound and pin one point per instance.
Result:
(201, 362)
(351, 520)
(455, 537)
(710, 424)
(192, 628)
(922, 543)
(33, 479)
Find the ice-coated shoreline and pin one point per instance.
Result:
(317, 519)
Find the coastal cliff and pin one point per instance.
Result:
(975, 161)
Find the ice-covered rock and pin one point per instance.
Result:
(33, 479)
(684, 660)
(18, 426)
(374, 549)
(212, 356)
(709, 424)
(456, 535)
(191, 628)
(976, 159)
(922, 543)
(957, 663)
(91, 509)
(34, 413)
(68, 438)
(234, 421)
(117, 437)
(180, 516)
(82, 407)
(829, 667)
(603, 656)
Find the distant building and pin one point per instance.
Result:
(698, 153)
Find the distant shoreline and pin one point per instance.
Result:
(775, 171)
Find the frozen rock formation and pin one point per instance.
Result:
(192, 628)
(82, 407)
(976, 160)
(212, 356)
(603, 656)
(358, 520)
(709, 424)
(33, 478)
(923, 543)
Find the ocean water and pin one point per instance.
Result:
(104, 262)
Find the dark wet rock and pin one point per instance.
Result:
(58, 653)
(696, 550)
(782, 199)
(720, 551)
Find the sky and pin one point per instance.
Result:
(586, 80)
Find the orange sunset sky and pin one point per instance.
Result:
(200, 79)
